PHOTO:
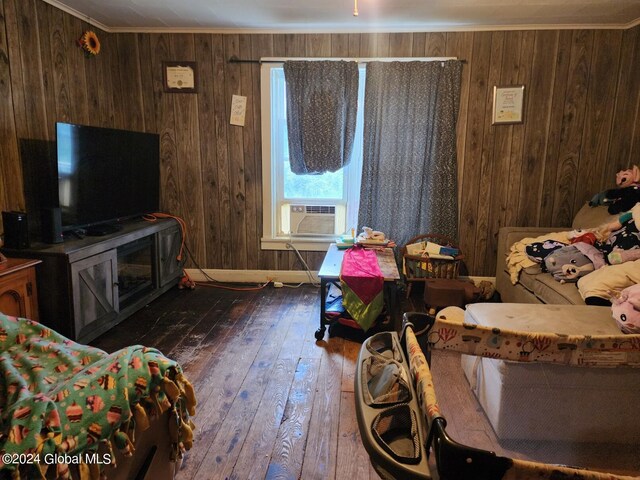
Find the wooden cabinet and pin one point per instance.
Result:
(94, 283)
(18, 290)
(88, 285)
(169, 244)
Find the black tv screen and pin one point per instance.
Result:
(106, 175)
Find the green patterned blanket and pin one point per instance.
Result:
(60, 400)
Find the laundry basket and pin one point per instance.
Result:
(420, 267)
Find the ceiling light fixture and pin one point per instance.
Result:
(355, 8)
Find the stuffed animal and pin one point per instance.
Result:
(625, 308)
(618, 255)
(622, 199)
(620, 238)
(626, 178)
(604, 231)
(582, 235)
(600, 199)
(568, 264)
(538, 251)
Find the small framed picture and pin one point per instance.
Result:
(180, 77)
(508, 103)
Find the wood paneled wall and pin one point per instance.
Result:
(581, 119)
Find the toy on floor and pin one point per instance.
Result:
(625, 309)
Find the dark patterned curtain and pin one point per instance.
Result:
(322, 102)
(409, 171)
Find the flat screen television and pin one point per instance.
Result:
(105, 175)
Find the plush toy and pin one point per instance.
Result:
(582, 235)
(600, 199)
(604, 231)
(625, 309)
(626, 178)
(618, 255)
(538, 251)
(622, 199)
(620, 239)
(568, 264)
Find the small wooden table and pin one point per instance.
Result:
(329, 273)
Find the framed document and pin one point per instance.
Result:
(180, 77)
(508, 103)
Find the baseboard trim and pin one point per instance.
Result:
(252, 276)
(262, 276)
(477, 279)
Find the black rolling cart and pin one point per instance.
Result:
(329, 274)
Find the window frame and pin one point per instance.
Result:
(273, 182)
(269, 240)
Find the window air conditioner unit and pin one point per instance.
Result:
(312, 219)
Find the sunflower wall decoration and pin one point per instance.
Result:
(89, 42)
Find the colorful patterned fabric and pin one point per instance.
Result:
(538, 251)
(524, 470)
(577, 350)
(428, 402)
(60, 397)
(362, 286)
(422, 380)
(322, 105)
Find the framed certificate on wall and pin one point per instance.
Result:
(508, 103)
(180, 77)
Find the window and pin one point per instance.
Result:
(307, 209)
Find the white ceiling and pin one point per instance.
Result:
(336, 15)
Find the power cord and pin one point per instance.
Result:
(195, 262)
(304, 264)
(213, 283)
(187, 282)
(154, 217)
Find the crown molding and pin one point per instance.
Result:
(376, 29)
(367, 29)
(82, 16)
(633, 24)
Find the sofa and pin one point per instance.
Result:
(533, 286)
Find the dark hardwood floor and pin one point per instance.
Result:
(274, 404)
(271, 402)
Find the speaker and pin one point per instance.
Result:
(16, 230)
(51, 225)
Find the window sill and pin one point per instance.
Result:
(304, 244)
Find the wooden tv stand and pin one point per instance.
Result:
(88, 285)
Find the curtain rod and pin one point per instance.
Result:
(234, 59)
